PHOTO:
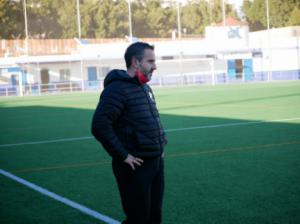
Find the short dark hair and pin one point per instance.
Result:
(136, 50)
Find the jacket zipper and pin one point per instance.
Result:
(149, 103)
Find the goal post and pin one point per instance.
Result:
(185, 71)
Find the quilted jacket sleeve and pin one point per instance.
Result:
(109, 108)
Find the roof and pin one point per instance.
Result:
(230, 21)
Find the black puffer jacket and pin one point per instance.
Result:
(126, 119)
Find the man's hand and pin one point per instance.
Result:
(132, 161)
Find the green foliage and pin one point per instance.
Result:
(295, 17)
(106, 18)
(88, 11)
(42, 19)
(281, 13)
(255, 13)
(150, 19)
(121, 19)
(110, 19)
(102, 18)
(67, 17)
(157, 18)
(195, 17)
(11, 19)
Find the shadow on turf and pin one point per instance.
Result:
(43, 123)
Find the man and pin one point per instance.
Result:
(127, 124)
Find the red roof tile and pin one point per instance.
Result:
(229, 21)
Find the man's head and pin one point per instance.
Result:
(140, 61)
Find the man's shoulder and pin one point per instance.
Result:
(121, 87)
(147, 88)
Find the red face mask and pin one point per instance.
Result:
(141, 77)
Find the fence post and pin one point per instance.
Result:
(20, 84)
(213, 72)
(160, 80)
(298, 55)
(39, 89)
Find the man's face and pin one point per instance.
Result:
(147, 64)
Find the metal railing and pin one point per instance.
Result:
(218, 77)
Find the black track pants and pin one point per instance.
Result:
(141, 190)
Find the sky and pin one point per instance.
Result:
(237, 3)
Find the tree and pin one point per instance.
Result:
(198, 14)
(280, 12)
(294, 19)
(121, 18)
(67, 17)
(42, 19)
(140, 26)
(11, 20)
(195, 16)
(110, 19)
(159, 20)
(88, 12)
(106, 18)
(255, 13)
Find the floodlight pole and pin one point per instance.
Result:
(298, 54)
(79, 37)
(178, 19)
(26, 46)
(210, 12)
(268, 16)
(26, 26)
(269, 47)
(179, 37)
(224, 12)
(78, 19)
(129, 19)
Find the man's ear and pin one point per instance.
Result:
(135, 62)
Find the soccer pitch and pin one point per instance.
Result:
(233, 156)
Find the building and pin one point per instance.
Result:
(227, 54)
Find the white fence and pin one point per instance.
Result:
(208, 78)
(171, 72)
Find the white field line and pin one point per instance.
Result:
(61, 199)
(46, 141)
(167, 130)
(230, 124)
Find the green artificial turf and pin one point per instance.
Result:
(233, 156)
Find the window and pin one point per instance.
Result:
(64, 74)
(92, 73)
(103, 71)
